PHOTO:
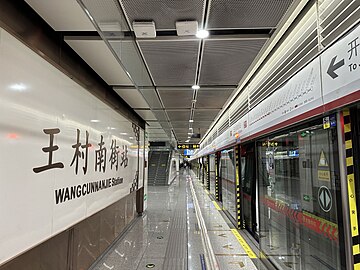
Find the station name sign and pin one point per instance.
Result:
(188, 146)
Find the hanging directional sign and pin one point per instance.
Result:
(341, 68)
(188, 146)
(325, 198)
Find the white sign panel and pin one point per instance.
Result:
(341, 69)
(64, 155)
(300, 94)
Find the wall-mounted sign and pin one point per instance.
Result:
(340, 68)
(65, 155)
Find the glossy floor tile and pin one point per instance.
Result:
(168, 235)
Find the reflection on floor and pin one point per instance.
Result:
(168, 235)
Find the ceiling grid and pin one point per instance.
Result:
(164, 97)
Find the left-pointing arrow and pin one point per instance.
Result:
(333, 67)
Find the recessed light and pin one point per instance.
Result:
(18, 87)
(195, 87)
(191, 121)
(202, 33)
(131, 138)
(95, 121)
(187, 141)
(112, 128)
(190, 133)
(123, 133)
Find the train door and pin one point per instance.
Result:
(249, 193)
(228, 180)
(300, 213)
(212, 173)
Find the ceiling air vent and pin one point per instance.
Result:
(144, 29)
(186, 28)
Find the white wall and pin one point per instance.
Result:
(174, 166)
(36, 96)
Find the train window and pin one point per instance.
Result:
(298, 184)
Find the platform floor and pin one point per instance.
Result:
(182, 229)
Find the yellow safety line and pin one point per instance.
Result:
(216, 205)
(244, 245)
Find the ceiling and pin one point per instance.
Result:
(154, 76)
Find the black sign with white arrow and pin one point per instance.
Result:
(325, 198)
(334, 66)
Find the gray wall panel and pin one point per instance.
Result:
(81, 245)
(107, 227)
(86, 242)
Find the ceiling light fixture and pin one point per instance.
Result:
(95, 120)
(20, 87)
(187, 141)
(191, 121)
(202, 34)
(195, 87)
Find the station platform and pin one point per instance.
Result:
(182, 228)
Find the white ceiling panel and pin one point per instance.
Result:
(132, 97)
(156, 131)
(156, 137)
(98, 56)
(153, 125)
(146, 114)
(64, 15)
